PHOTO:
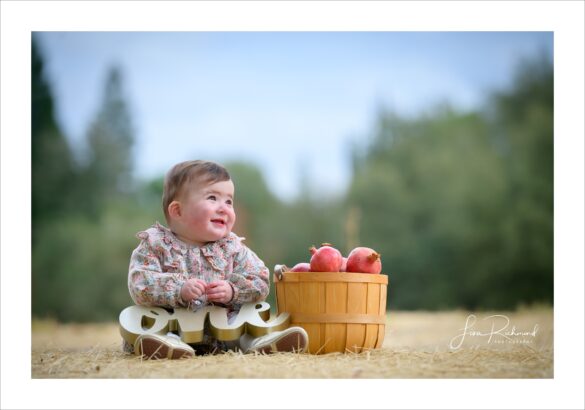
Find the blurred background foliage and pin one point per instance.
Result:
(459, 204)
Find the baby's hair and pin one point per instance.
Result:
(203, 173)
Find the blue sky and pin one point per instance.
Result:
(285, 101)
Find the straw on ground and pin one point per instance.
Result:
(416, 345)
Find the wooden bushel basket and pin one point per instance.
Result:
(341, 311)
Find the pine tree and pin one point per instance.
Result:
(110, 139)
(51, 158)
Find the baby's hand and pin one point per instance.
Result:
(220, 291)
(192, 289)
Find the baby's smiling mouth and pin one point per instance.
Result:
(218, 221)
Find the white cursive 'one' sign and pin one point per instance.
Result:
(252, 319)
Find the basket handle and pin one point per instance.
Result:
(279, 270)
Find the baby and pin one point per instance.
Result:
(198, 260)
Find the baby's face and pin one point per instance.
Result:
(207, 213)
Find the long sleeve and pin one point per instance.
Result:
(249, 278)
(148, 284)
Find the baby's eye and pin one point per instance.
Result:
(212, 197)
(229, 202)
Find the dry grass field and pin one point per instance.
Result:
(417, 345)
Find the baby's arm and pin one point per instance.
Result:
(147, 284)
(249, 278)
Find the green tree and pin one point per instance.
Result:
(523, 130)
(426, 189)
(108, 173)
(80, 261)
(460, 205)
(52, 164)
(52, 175)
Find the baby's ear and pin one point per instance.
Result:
(174, 209)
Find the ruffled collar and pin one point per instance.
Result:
(228, 245)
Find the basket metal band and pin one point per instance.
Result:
(361, 319)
